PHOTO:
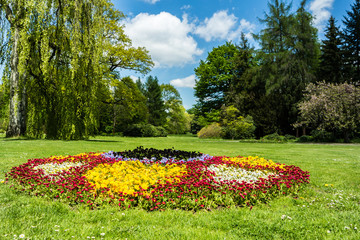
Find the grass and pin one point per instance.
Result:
(318, 212)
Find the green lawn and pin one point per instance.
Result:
(319, 212)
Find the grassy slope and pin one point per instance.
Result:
(318, 210)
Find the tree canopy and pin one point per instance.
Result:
(62, 52)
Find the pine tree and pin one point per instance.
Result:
(351, 35)
(331, 62)
(155, 104)
(289, 55)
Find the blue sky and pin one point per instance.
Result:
(179, 33)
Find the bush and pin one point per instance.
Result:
(322, 136)
(240, 128)
(274, 137)
(211, 131)
(145, 130)
(108, 129)
(290, 137)
(305, 138)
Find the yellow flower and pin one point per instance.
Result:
(128, 176)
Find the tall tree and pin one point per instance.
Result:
(68, 50)
(16, 13)
(289, 55)
(155, 104)
(214, 77)
(275, 55)
(177, 120)
(129, 105)
(331, 60)
(351, 35)
(332, 107)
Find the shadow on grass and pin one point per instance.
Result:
(3, 138)
(101, 140)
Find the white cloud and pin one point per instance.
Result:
(152, 1)
(217, 27)
(165, 36)
(185, 7)
(188, 82)
(321, 11)
(134, 78)
(223, 26)
(246, 27)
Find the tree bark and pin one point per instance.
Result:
(14, 117)
(23, 106)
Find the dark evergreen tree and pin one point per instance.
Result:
(288, 62)
(331, 61)
(351, 35)
(155, 104)
(275, 61)
(242, 62)
(140, 86)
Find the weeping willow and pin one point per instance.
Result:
(66, 48)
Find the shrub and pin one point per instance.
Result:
(145, 130)
(305, 138)
(211, 131)
(274, 137)
(322, 136)
(290, 137)
(108, 129)
(239, 128)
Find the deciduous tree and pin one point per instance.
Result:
(331, 107)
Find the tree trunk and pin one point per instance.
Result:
(14, 117)
(23, 106)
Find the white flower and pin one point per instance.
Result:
(347, 227)
(21, 235)
(283, 217)
(123, 214)
(102, 234)
(328, 231)
(224, 172)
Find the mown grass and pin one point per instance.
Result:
(318, 212)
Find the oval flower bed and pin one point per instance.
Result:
(157, 179)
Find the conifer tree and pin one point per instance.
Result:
(351, 35)
(331, 61)
(155, 104)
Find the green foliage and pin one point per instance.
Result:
(4, 107)
(177, 119)
(330, 107)
(129, 105)
(145, 130)
(214, 76)
(289, 55)
(235, 126)
(322, 136)
(213, 130)
(154, 102)
(67, 53)
(351, 36)
(305, 138)
(331, 59)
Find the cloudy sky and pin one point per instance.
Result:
(179, 33)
